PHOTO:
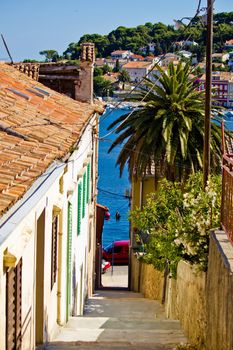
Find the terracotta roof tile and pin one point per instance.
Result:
(139, 64)
(34, 131)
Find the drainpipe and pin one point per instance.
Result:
(59, 277)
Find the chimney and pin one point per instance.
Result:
(84, 85)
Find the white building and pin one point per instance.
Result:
(121, 54)
(137, 70)
(48, 153)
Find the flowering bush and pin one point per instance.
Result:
(178, 218)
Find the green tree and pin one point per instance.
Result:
(167, 133)
(50, 55)
(102, 87)
(176, 221)
(72, 52)
(117, 67)
(98, 71)
(124, 77)
(106, 68)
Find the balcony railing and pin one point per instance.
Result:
(227, 195)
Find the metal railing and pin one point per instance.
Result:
(227, 195)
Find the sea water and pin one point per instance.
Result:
(112, 187)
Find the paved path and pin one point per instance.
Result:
(119, 320)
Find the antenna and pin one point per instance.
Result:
(7, 49)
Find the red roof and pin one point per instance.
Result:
(229, 42)
(37, 126)
(137, 65)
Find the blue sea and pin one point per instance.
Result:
(111, 188)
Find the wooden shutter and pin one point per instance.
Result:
(88, 181)
(54, 251)
(69, 257)
(79, 213)
(14, 307)
(84, 193)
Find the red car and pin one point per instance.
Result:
(117, 252)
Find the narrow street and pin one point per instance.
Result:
(117, 319)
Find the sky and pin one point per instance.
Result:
(30, 26)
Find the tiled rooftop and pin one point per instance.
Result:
(137, 65)
(37, 126)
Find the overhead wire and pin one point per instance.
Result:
(199, 9)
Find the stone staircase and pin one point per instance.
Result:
(115, 320)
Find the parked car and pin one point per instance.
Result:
(105, 265)
(117, 252)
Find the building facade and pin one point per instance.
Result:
(48, 170)
(137, 70)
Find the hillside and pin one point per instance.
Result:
(162, 36)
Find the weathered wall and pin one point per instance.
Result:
(185, 297)
(203, 302)
(189, 303)
(220, 293)
(145, 279)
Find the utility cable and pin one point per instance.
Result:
(199, 9)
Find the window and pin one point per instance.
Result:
(79, 208)
(54, 251)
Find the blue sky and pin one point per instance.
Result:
(30, 26)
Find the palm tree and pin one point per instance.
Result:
(167, 133)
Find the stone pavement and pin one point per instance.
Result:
(116, 276)
(119, 320)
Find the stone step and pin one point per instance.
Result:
(155, 336)
(122, 323)
(108, 346)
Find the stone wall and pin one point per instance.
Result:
(220, 293)
(186, 297)
(203, 302)
(146, 280)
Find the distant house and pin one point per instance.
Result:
(136, 58)
(184, 53)
(137, 70)
(222, 84)
(152, 59)
(230, 62)
(148, 48)
(228, 44)
(99, 62)
(121, 54)
(220, 57)
(185, 44)
(168, 58)
(48, 154)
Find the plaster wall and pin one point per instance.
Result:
(21, 242)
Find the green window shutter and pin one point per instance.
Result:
(84, 193)
(69, 257)
(79, 214)
(88, 181)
